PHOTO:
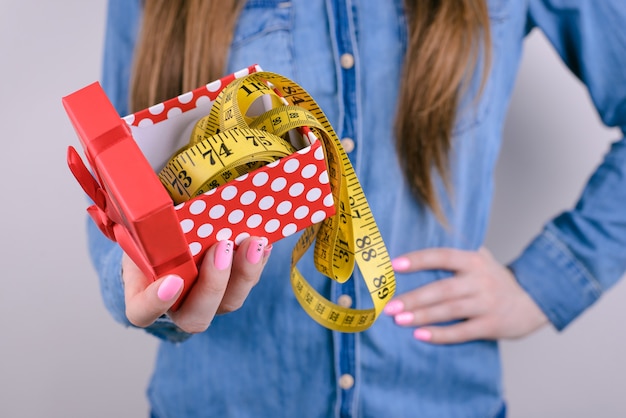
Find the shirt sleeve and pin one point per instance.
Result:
(122, 23)
(582, 252)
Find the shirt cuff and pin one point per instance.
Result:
(107, 259)
(165, 329)
(557, 282)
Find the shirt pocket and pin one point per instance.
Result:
(474, 104)
(263, 36)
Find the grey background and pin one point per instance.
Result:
(61, 355)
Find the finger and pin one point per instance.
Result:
(450, 259)
(460, 332)
(266, 254)
(248, 264)
(147, 300)
(201, 303)
(431, 294)
(457, 309)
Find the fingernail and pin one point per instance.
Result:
(267, 251)
(255, 250)
(404, 318)
(422, 334)
(394, 307)
(223, 254)
(169, 287)
(400, 263)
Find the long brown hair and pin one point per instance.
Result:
(444, 44)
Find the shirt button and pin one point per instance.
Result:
(347, 61)
(344, 301)
(346, 381)
(348, 144)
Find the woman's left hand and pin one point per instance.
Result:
(482, 294)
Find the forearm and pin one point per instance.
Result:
(582, 252)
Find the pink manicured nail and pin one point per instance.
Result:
(404, 318)
(255, 250)
(223, 254)
(400, 263)
(169, 287)
(394, 307)
(422, 334)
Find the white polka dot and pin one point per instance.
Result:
(239, 239)
(205, 230)
(273, 163)
(266, 203)
(195, 248)
(254, 221)
(301, 212)
(210, 192)
(324, 177)
(157, 109)
(260, 179)
(186, 225)
(145, 122)
(185, 98)
(304, 150)
(291, 165)
(242, 73)
(319, 154)
(309, 171)
(318, 216)
(217, 212)
(242, 177)
(313, 194)
(296, 189)
(235, 216)
(284, 207)
(197, 207)
(203, 101)
(272, 225)
(223, 234)
(129, 119)
(180, 206)
(229, 192)
(214, 85)
(278, 184)
(312, 137)
(175, 111)
(329, 200)
(247, 198)
(289, 229)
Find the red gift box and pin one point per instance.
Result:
(132, 207)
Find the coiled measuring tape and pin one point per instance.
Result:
(218, 158)
(236, 140)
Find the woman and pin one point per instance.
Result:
(418, 93)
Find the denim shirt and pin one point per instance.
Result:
(269, 359)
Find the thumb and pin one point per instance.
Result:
(144, 305)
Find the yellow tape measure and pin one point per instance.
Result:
(214, 160)
(238, 136)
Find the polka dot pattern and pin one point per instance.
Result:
(187, 101)
(273, 201)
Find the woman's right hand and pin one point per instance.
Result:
(224, 281)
